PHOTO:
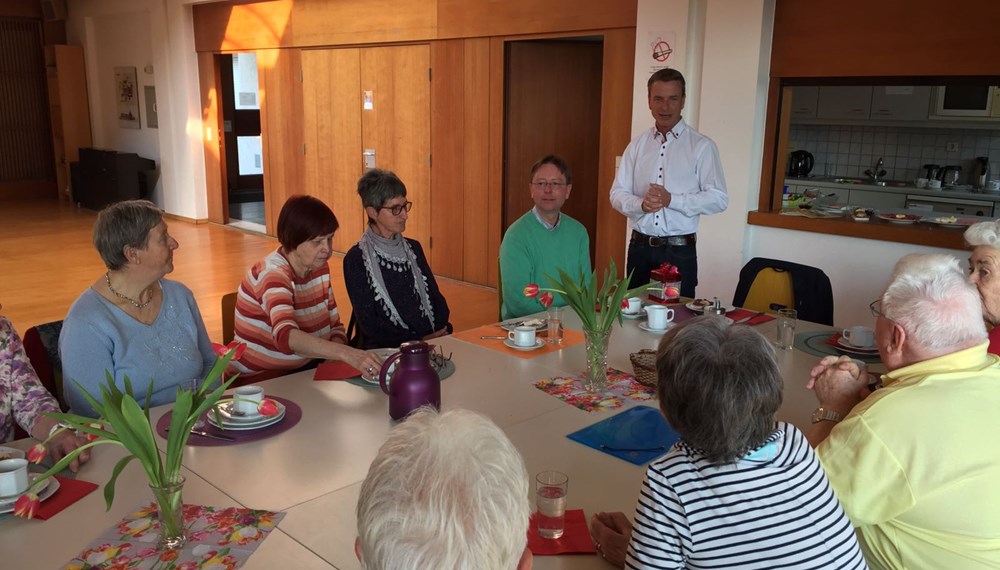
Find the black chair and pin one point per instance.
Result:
(41, 346)
(760, 285)
(355, 336)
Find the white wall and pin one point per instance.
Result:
(141, 33)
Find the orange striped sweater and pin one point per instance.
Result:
(270, 303)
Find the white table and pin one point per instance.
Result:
(314, 470)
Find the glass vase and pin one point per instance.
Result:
(596, 342)
(170, 514)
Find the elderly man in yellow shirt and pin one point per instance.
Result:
(915, 463)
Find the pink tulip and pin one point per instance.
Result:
(670, 292)
(545, 299)
(26, 505)
(531, 291)
(224, 349)
(90, 436)
(37, 453)
(267, 407)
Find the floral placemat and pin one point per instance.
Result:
(621, 386)
(217, 539)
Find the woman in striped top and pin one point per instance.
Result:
(739, 490)
(285, 309)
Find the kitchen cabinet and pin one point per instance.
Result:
(877, 200)
(804, 100)
(901, 103)
(844, 102)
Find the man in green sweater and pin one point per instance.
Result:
(542, 241)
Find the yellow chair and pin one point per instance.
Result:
(228, 317)
(771, 284)
(770, 288)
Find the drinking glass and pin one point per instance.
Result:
(555, 318)
(786, 328)
(550, 498)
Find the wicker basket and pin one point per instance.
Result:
(644, 363)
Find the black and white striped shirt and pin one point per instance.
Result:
(772, 509)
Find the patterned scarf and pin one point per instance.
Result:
(394, 254)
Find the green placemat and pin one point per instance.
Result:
(814, 343)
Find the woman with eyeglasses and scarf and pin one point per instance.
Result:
(393, 292)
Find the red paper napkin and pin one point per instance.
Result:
(737, 314)
(335, 370)
(70, 491)
(575, 539)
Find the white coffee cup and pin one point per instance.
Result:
(932, 183)
(634, 305)
(522, 336)
(13, 477)
(921, 183)
(657, 316)
(860, 336)
(994, 185)
(247, 399)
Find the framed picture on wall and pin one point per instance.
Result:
(127, 90)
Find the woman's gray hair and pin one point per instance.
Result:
(931, 297)
(124, 224)
(719, 386)
(984, 233)
(446, 490)
(376, 187)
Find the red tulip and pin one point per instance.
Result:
(224, 349)
(90, 436)
(671, 292)
(26, 505)
(531, 291)
(37, 453)
(267, 407)
(545, 299)
(624, 304)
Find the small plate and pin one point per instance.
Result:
(697, 308)
(846, 346)
(7, 504)
(647, 328)
(539, 343)
(264, 422)
(10, 453)
(638, 315)
(511, 324)
(896, 219)
(951, 221)
(228, 410)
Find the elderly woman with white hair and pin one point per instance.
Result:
(446, 490)
(984, 272)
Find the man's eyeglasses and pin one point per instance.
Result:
(876, 308)
(398, 209)
(545, 184)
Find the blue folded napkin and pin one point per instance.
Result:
(637, 435)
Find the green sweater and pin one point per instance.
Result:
(530, 251)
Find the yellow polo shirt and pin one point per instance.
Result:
(916, 465)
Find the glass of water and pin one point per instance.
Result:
(555, 318)
(550, 498)
(787, 319)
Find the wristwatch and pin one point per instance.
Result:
(826, 415)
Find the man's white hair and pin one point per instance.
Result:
(934, 302)
(984, 233)
(446, 490)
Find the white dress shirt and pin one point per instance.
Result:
(687, 164)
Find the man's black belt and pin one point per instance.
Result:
(660, 241)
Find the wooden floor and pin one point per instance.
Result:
(47, 259)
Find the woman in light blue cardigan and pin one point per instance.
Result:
(131, 321)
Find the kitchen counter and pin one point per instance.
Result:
(909, 188)
(919, 234)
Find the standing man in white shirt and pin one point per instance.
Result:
(668, 177)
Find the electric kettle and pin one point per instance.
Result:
(950, 175)
(414, 381)
(800, 163)
(980, 172)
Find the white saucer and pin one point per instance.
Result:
(647, 328)
(636, 315)
(52, 485)
(539, 343)
(227, 408)
(511, 324)
(846, 346)
(263, 422)
(11, 452)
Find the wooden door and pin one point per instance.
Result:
(339, 128)
(553, 91)
(332, 108)
(397, 127)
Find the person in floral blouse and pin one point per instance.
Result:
(23, 399)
